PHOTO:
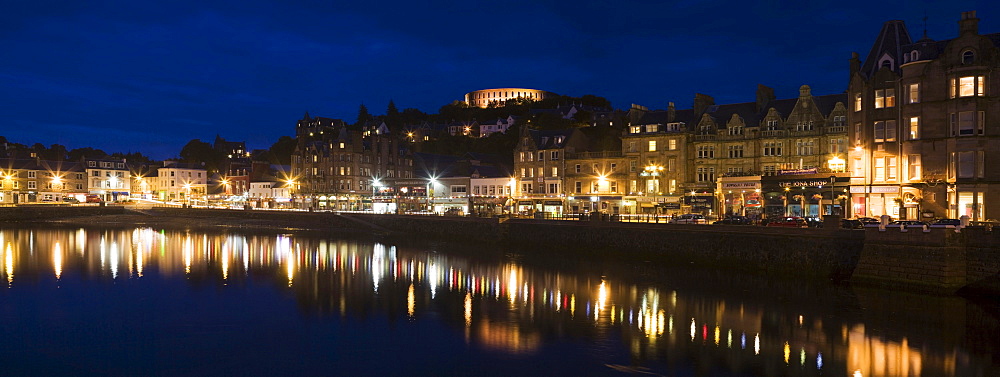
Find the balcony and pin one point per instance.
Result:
(836, 129)
(772, 133)
(602, 154)
(704, 137)
(813, 132)
(732, 137)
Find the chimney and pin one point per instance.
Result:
(855, 63)
(969, 24)
(702, 102)
(671, 112)
(764, 96)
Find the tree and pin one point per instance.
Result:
(363, 116)
(85, 153)
(281, 151)
(200, 152)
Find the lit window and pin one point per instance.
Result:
(672, 144)
(914, 133)
(652, 145)
(914, 93)
(857, 102)
(913, 167)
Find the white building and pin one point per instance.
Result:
(109, 179)
(181, 182)
(269, 194)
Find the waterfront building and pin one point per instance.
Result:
(924, 123)
(337, 167)
(501, 126)
(109, 179)
(34, 180)
(540, 168)
(796, 136)
(655, 146)
(498, 97)
(178, 181)
(595, 181)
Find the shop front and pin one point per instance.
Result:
(741, 196)
(875, 201)
(806, 195)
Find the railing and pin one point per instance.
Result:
(732, 137)
(812, 132)
(836, 129)
(772, 133)
(603, 154)
(704, 137)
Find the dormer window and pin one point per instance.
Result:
(914, 55)
(635, 129)
(968, 57)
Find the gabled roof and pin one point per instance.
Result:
(826, 103)
(551, 139)
(890, 42)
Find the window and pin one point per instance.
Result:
(804, 147)
(31, 184)
(885, 130)
(577, 168)
(968, 57)
(839, 120)
(771, 125)
(966, 164)
(964, 123)
(772, 148)
(594, 168)
(652, 146)
(553, 188)
(967, 86)
(613, 166)
(857, 133)
(837, 146)
(541, 156)
(736, 130)
(92, 164)
(31, 174)
(521, 157)
(554, 156)
(671, 164)
(857, 102)
(913, 167)
(555, 172)
(706, 151)
(890, 164)
(578, 187)
(879, 169)
(672, 144)
(458, 189)
(524, 173)
(914, 132)
(735, 151)
(914, 93)
(631, 166)
(885, 98)
(631, 146)
(635, 129)
(652, 127)
(705, 174)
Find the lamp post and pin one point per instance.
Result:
(187, 194)
(431, 184)
(787, 192)
(375, 186)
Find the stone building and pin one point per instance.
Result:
(655, 148)
(499, 96)
(924, 123)
(335, 167)
(540, 168)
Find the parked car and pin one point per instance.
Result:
(907, 223)
(852, 224)
(868, 220)
(94, 199)
(734, 220)
(941, 223)
(814, 222)
(788, 222)
(70, 200)
(453, 212)
(690, 218)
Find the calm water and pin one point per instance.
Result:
(150, 302)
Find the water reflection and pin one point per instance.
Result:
(500, 307)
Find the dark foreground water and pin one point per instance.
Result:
(149, 302)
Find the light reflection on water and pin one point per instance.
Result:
(500, 307)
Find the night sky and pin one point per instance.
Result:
(136, 76)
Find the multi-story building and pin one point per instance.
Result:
(595, 181)
(655, 146)
(540, 168)
(33, 180)
(110, 179)
(183, 182)
(769, 137)
(924, 123)
(336, 167)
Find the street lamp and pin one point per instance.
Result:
(376, 183)
(431, 185)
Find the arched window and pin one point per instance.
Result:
(968, 57)
(914, 55)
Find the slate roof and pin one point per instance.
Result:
(890, 41)
(549, 139)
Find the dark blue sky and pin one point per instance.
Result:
(135, 76)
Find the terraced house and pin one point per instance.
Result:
(925, 122)
(654, 148)
(336, 167)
